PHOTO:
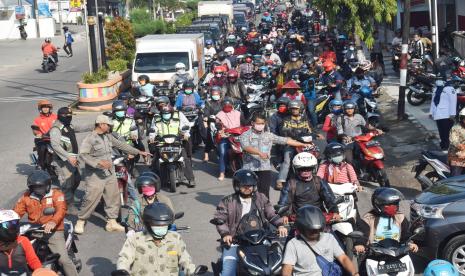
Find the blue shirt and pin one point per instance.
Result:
(198, 101)
(383, 231)
(147, 90)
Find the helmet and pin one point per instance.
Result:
(48, 39)
(349, 105)
(440, 268)
(189, 84)
(309, 217)
(155, 176)
(119, 105)
(328, 66)
(229, 50)
(180, 66)
(228, 101)
(39, 178)
(294, 104)
(283, 101)
(180, 82)
(266, 14)
(233, 74)
(333, 150)
(219, 70)
(44, 103)
(385, 196)
(304, 160)
(231, 38)
(294, 54)
(157, 214)
(147, 181)
(9, 225)
(162, 99)
(166, 109)
(145, 77)
(215, 89)
(221, 56)
(268, 47)
(208, 42)
(244, 177)
(263, 69)
(65, 28)
(335, 102)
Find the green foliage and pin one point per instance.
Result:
(185, 19)
(151, 27)
(192, 5)
(100, 76)
(358, 16)
(140, 16)
(117, 65)
(121, 43)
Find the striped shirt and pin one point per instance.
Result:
(338, 174)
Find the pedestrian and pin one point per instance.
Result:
(257, 143)
(443, 110)
(65, 155)
(377, 51)
(96, 152)
(67, 47)
(456, 154)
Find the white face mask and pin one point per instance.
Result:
(181, 71)
(159, 231)
(351, 48)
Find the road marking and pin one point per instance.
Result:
(61, 96)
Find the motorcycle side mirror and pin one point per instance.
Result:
(34, 127)
(419, 231)
(178, 215)
(108, 113)
(185, 128)
(356, 235)
(49, 211)
(201, 269)
(217, 221)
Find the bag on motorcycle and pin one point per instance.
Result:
(327, 268)
(250, 221)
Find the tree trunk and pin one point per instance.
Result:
(358, 44)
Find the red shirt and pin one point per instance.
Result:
(330, 130)
(48, 49)
(337, 174)
(297, 96)
(44, 122)
(328, 55)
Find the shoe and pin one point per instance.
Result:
(79, 227)
(191, 184)
(221, 177)
(113, 226)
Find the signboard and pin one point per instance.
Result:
(43, 8)
(75, 3)
(20, 12)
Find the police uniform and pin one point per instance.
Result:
(140, 255)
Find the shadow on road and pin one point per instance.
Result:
(208, 198)
(100, 266)
(24, 169)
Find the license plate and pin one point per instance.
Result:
(392, 268)
(120, 175)
(169, 149)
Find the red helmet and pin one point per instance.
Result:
(232, 74)
(328, 66)
(219, 69)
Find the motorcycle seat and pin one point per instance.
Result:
(437, 155)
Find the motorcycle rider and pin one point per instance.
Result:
(145, 87)
(148, 194)
(39, 197)
(16, 252)
(269, 55)
(300, 254)
(228, 118)
(155, 251)
(209, 49)
(65, 154)
(212, 107)
(397, 40)
(333, 121)
(245, 205)
(294, 64)
(234, 87)
(218, 79)
(230, 56)
(48, 49)
(361, 78)
(172, 122)
(332, 79)
(247, 67)
(40, 128)
(277, 118)
(96, 152)
(224, 61)
(188, 97)
(181, 73)
(418, 48)
(384, 221)
(328, 54)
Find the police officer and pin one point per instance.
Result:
(96, 150)
(155, 251)
(65, 156)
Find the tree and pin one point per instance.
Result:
(358, 16)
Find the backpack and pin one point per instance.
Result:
(69, 39)
(327, 268)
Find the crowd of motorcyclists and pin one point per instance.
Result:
(270, 91)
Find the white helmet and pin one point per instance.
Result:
(229, 50)
(304, 160)
(462, 112)
(180, 66)
(269, 47)
(8, 215)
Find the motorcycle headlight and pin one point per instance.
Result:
(169, 140)
(430, 211)
(378, 155)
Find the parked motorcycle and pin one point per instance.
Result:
(22, 31)
(171, 160)
(371, 159)
(421, 85)
(438, 162)
(396, 54)
(35, 233)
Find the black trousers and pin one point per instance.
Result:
(264, 182)
(68, 49)
(444, 127)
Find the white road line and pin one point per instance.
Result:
(35, 98)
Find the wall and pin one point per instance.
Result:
(9, 29)
(460, 10)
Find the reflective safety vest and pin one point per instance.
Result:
(170, 128)
(123, 128)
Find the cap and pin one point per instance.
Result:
(103, 119)
(291, 85)
(64, 111)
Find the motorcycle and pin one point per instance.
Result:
(144, 115)
(372, 159)
(35, 233)
(421, 85)
(42, 155)
(256, 99)
(192, 114)
(366, 105)
(437, 161)
(344, 194)
(235, 153)
(259, 253)
(171, 160)
(48, 64)
(123, 177)
(396, 54)
(22, 31)
(199, 270)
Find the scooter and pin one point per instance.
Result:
(22, 31)
(437, 161)
(372, 159)
(35, 233)
(171, 160)
(192, 114)
(235, 153)
(42, 155)
(48, 64)
(420, 87)
(143, 107)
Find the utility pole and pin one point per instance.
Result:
(404, 61)
(91, 21)
(103, 56)
(89, 54)
(433, 17)
(36, 17)
(60, 17)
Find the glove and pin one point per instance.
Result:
(187, 135)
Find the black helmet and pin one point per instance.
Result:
(227, 101)
(162, 99)
(157, 214)
(65, 28)
(39, 182)
(180, 82)
(189, 84)
(334, 149)
(119, 105)
(309, 217)
(385, 196)
(294, 54)
(244, 177)
(124, 96)
(144, 77)
(147, 180)
(283, 101)
(349, 105)
(294, 104)
(221, 56)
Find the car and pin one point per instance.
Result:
(440, 210)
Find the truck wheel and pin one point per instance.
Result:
(453, 252)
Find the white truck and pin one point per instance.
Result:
(156, 56)
(216, 8)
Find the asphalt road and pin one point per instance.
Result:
(21, 84)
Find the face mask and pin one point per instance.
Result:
(148, 190)
(293, 59)
(337, 111)
(188, 92)
(216, 97)
(181, 71)
(218, 75)
(390, 210)
(351, 48)
(259, 128)
(120, 114)
(227, 108)
(166, 117)
(337, 159)
(65, 120)
(282, 109)
(159, 231)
